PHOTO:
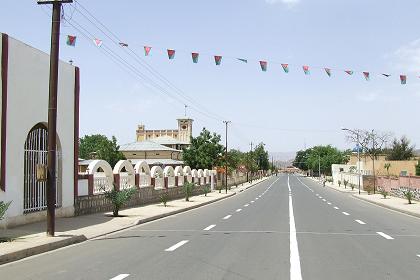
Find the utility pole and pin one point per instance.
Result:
(373, 161)
(226, 151)
(250, 154)
(52, 111)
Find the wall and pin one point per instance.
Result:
(28, 76)
(396, 165)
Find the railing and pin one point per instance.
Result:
(101, 184)
(144, 180)
(124, 181)
(171, 182)
(159, 183)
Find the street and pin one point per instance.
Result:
(287, 227)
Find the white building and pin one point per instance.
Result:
(24, 114)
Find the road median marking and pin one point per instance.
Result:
(295, 271)
(227, 217)
(176, 246)
(209, 227)
(336, 208)
(386, 236)
(120, 277)
(238, 210)
(246, 205)
(360, 222)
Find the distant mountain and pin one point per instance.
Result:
(283, 159)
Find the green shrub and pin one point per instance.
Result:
(408, 195)
(3, 208)
(188, 189)
(119, 198)
(352, 186)
(206, 190)
(369, 189)
(345, 183)
(339, 183)
(384, 193)
(164, 198)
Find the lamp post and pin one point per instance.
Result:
(358, 151)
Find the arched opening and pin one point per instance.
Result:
(169, 173)
(143, 169)
(188, 173)
(179, 173)
(103, 178)
(157, 174)
(126, 171)
(35, 164)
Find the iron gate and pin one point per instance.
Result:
(35, 153)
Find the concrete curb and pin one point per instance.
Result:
(24, 253)
(14, 256)
(387, 206)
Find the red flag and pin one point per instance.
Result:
(147, 50)
(403, 79)
(218, 59)
(263, 65)
(171, 54)
(350, 72)
(366, 74)
(306, 69)
(195, 57)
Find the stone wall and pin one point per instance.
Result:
(90, 204)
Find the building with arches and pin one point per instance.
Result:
(24, 94)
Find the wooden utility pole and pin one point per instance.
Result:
(226, 151)
(52, 112)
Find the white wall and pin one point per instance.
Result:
(27, 99)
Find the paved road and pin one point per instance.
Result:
(279, 229)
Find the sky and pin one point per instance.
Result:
(287, 112)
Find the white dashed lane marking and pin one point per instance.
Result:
(176, 246)
(209, 227)
(360, 222)
(329, 203)
(324, 199)
(345, 213)
(246, 205)
(386, 236)
(227, 217)
(336, 208)
(238, 210)
(120, 277)
(252, 201)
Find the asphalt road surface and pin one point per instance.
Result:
(287, 227)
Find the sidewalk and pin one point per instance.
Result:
(31, 239)
(391, 202)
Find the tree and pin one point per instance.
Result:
(205, 151)
(401, 149)
(261, 156)
(301, 159)
(324, 157)
(99, 146)
(234, 159)
(418, 168)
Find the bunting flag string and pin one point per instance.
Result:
(194, 57)
(306, 69)
(328, 71)
(218, 59)
(366, 75)
(97, 42)
(71, 40)
(171, 54)
(285, 67)
(147, 50)
(263, 65)
(350, 72)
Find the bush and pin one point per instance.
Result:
(339, 183)
(384, 193)
(119, 198)
(164, 199)
(188, 189)
(369, 189)
(408, 195)
(345, 183)
(206, 190)
(3, 208)
(352, 186)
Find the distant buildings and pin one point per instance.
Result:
(161, 147)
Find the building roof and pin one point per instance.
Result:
(167, 140)
(158, 161)
(145, 146)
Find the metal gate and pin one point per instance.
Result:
(35, 153)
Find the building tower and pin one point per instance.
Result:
(185, 129)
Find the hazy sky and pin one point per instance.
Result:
(283, 110)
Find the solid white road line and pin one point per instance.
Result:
(345, 213)
(360, 222)
(120, 277)
(246, 205)
(227, 217)
(335, 207)
(386, 236)
(176, 246)
(295, 272)
(238, 210)
(209, 227)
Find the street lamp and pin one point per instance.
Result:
(358, 151)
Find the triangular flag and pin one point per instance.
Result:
(350, 72)
(97, 42)
(263, 65)
(285, 67)
(306, 69)
(171, 54)
(218, 59)
(71, 40)
(123, 44)
(147, 50)
(194, 57)
(243, 60)
(366, 74)
(328, 71)
(386, 75)
(403, 79)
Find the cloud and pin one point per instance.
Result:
(407, 57)
(288, 3)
